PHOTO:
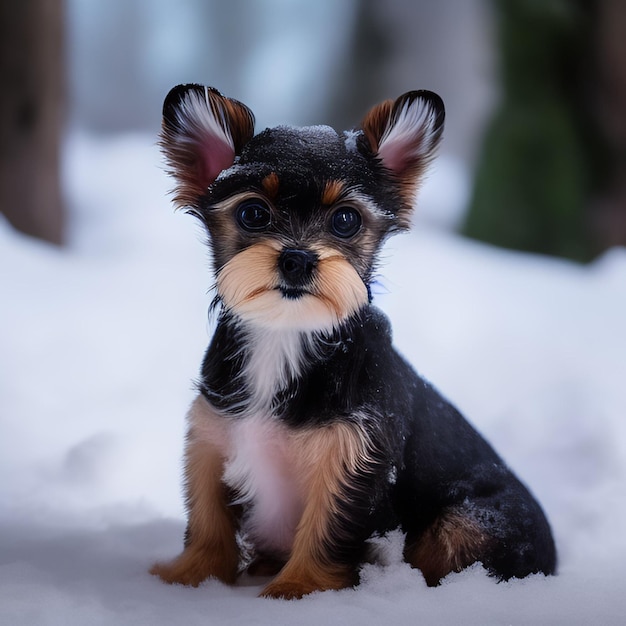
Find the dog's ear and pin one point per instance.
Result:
(202, 132)
(404, 135)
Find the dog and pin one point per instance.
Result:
(310, 434)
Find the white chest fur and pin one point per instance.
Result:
(274, 360)
(261, 466)
(261, 462)
(262, 470)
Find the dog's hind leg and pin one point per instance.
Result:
(507, 532)
(450, 544)
(211, 548)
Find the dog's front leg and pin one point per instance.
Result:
(331, 460)
(211, 548)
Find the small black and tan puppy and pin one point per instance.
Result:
(310, 433)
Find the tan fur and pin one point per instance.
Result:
(328, 457)
(211, 549)
(324, 461)
(249, 273)
(333, 191)
(271, 185)
(238, 119)
(338, 284)
(248, 283)
(449, 545)
(375, 123)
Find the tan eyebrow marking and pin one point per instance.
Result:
(270, 184)
(333, 190)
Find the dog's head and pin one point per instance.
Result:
(296, 216)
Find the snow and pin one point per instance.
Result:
(99, 346)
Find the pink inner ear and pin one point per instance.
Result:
(215, 155)
(397, 155)
(410, 138)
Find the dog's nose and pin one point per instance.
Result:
(296, 266)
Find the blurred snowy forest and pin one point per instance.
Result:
(535, 94)
(292, 61)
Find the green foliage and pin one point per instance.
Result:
(539, 158)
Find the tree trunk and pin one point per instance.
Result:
(609, 210)
(32, 94)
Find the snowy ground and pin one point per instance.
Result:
(99, 344)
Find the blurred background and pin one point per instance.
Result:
(102, 329)
(535, 90)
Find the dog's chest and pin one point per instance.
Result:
(273, 362)
(263, 470)
(263, 465)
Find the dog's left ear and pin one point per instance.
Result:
(404, 135)
(202, 133)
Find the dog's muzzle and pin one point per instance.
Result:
(296, 269)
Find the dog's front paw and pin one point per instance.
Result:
(194, 566)
(288, 590)
(291, 586)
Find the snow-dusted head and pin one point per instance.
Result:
(296, 216)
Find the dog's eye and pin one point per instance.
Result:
(254, 216)
(345, 222)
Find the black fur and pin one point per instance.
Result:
(428, 458)
(427, 464)
(296, 154)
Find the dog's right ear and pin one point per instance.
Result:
(202, 133)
